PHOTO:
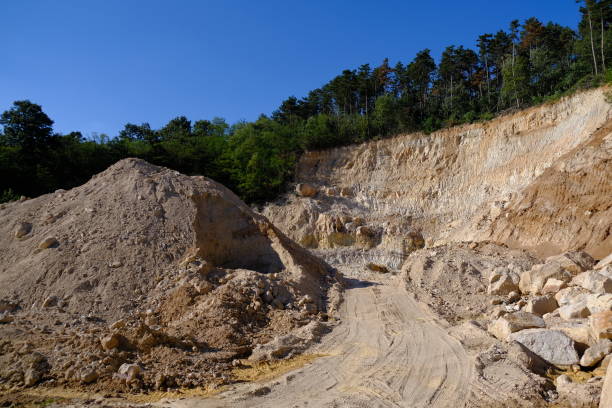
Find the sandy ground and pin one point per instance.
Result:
(388, 351)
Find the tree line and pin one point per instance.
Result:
(527, 63)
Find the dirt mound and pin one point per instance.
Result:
(146, 278)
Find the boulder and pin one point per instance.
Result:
(533, 280)
(594, 282)
(569, 295)
(577, 310)
(88, 376)
(502, 284)
(574, 261)
(577, 330)
(596, 353)
(604, 262)
(541, 305)
(601, 325)
(553, 346)
(129, 372)
(110, 342)
(305, 190)
(553, 286)
(606, 392)
(503, 327)
(599, 303)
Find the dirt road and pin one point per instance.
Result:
(387, 352)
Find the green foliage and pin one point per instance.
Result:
(528, 63)
(8, 195)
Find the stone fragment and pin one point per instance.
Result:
(533, 280)
(553, 346)
(599, 303)
(119, 324)
(110, 342)
(594, 282)
(514, 296)
(601, 325)
(596, 353)
(574, 261)
(50, 301)
(88, 376)
(5, 317)
(377, 268)
(569, 295)
(115, 264)
(541, 305)
(502, 285)
(22, 229)
(129, 372)
(48, 243)
(577, 310)
(553, 286)
(604, 262)
(503, 327)
(305, 190)
(31, 377)
(577, 330)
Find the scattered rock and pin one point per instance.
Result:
(502, 283)
(110, 342)
(115, 264)
(32, 376)
(601, 325)
(22, 229)
(48, 242)
(503, 327)
(377, 268)
(574, 261)
(594, 282)
(596, 353)
(533, 281)
(50, 301)
(541, 305)
(567, 295)
(6, 318)
(129, 372)
(606, 392)
(604, 262)
(88, 376)
(305, 190)
(553, 286)
(577, 310)
(553, 346)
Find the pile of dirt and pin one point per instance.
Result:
(144, 278)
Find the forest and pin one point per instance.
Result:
(525, 64)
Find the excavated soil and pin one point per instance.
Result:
(145, 279)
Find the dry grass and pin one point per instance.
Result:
(265, 371)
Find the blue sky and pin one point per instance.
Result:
(95, 65)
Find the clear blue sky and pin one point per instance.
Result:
(95, 65)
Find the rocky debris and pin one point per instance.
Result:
(5, 317)
(128, 372)
(502, 282)
(50, 301)
(305, 190)
(290, 344)
(553, 286)
(567, 295)
(573, 261)
(593, 282)
(577, 330)
(553, 346)
(596, 353)
(89, 375)
(541, 305)
(533, 280)
(601, 325)
(576, 310)
(503, 327)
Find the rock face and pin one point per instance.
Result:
(551, 345)
(507, 180)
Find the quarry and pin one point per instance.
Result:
(470, 267)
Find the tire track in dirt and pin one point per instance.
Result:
(387, 352)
